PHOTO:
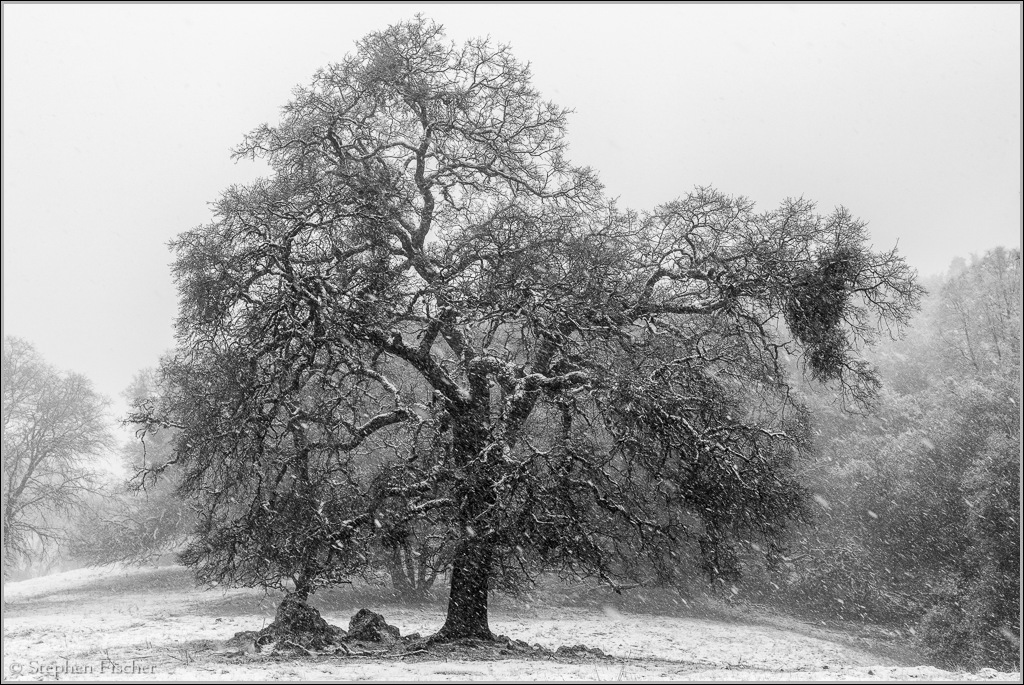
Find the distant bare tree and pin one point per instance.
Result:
(52, 424)
(979, 317)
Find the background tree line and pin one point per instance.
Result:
(919, 497)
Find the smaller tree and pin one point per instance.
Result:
(54, 423)
(414, 552)
(413, 548)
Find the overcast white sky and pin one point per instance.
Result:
(118, 121)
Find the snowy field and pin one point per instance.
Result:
(140, 624)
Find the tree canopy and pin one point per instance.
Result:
(426, 315)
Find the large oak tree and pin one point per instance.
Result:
(427, 316)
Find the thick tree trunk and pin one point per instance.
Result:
(467, 601)
(303, 587)
(471, 563)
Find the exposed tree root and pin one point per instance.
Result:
(299, 630)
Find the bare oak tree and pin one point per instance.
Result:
(54, 424)
(428, 316)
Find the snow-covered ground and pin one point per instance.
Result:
(127, 624)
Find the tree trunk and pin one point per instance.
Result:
(474, 496)
(303, 587)
(399, 579)
(467, 601)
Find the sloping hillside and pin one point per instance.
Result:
(122, 623)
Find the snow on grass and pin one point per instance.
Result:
(126, 624)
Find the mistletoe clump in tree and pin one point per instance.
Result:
(426, 316)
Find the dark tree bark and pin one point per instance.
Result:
(471, 564)
(467, 601)
(303, 586)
